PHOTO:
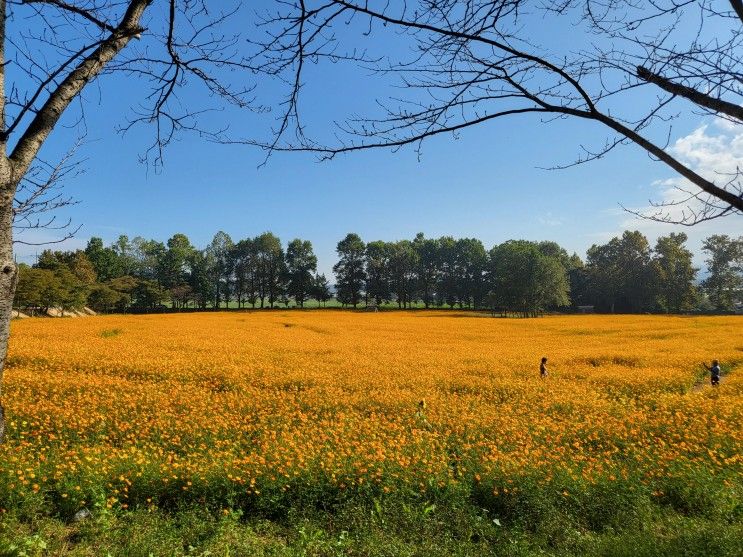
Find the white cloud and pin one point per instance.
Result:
(725, 124)
(712, 155)
(715, 151)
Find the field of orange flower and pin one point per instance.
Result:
(267, 411)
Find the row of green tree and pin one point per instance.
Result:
(624, 275)
(146, 274)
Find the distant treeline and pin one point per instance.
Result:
(624, 275)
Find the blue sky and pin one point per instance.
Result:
(486, 183)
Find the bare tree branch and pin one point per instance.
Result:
(46, 118)
(473, 61)
(697, 97)
(40, 195)
(738, 7)
(85, 14)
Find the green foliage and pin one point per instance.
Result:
(525, 280)
(270, 268)
(301, 264)
(321, 289)
(619, 273)
(103, 298)
(42, 289)
(218, 253)
(350, 270)
(674, 274)
(111, 333)
(381, 526)
(105, 261)
(172, 267)
(148, 294)
(623, 275)
(147, 256)
(470, 264)
(724, 285)
(378, 279)
(427, 268)
(244, 256)
(32, 283)
(77, 262)
(200, 280)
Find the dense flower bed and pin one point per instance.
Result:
(263, 411)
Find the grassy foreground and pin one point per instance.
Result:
(338, 433)
(400, 530)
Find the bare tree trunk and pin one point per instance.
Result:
(13, 167)
(8, 271)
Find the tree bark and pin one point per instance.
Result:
(8, 271)
(738, 7)
(697, 97)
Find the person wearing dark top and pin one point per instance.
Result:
(714, 372)
(543, 368)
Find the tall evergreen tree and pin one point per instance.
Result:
(403, 264)
(378, 277)
(525, 280)
(124, 251)
(619, 274)
(105, 260)
(201, 280)
(172, 267)
(446, 286)
(321, 289)
(244, 258)
(470, 261)
(674, 274)
(271, 268)
(349, 271)
(427, 270)
(724, 285)
(148, 256)
(221, 270)
(301, 264)
(578, 279)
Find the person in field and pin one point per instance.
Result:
(543, 368)
(714, 372)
